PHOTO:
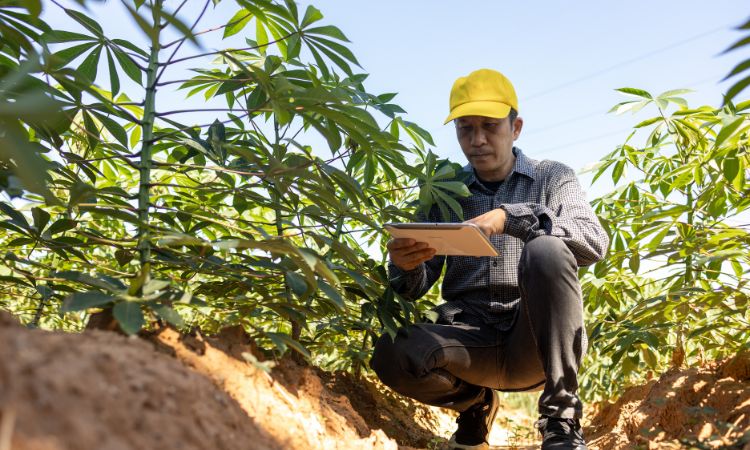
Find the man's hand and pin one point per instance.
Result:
(492, 222)
(408, 254)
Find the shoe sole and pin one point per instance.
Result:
(453, 445)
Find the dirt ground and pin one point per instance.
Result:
(702, 408)
(101, 390)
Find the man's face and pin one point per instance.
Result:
(487, 143)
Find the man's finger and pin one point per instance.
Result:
(407, 251)
(395, 244)
(418, 256)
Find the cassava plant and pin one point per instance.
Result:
(674, 288)
(261, 207)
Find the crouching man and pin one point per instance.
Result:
(513, 322)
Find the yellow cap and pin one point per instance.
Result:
(485, 92)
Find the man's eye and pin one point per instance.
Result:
(490, 124)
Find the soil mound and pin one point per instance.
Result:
(101, 390)
(706, 407)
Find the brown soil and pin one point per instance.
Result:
(101, 390)
(706, 407)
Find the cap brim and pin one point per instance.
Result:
(496, 110)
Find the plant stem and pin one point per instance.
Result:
(275, 201)
(149, 113)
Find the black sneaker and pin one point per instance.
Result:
(474, 424)
(560, 434)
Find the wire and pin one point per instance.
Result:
(600, 113)
(601, 136)
(624, 63)
(564, 122)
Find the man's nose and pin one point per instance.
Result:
(478, 137)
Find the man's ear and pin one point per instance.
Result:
(517, 126)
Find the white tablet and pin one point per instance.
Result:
(459, 239)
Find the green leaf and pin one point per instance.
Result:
(648, 122)
(297, 283)
(328, 30)
(41, 218)
(731, 168)
(336, 47)
(332, 294)
(674, 92)
(130, 46)
(333, 56)
(62, 225)
(89, 66)
(15, 216)
(728, 131)
(741, 43)
(635, 92)
(618, 171)
(130, 316)
(59, 36)
(153, 286)
(107, 283)
(635, 262)
(169, 314)
(130, 68)
(312, 14)
(741, 67)
(78, 301)
(736, 89)
(147, 27)
(117, 130)
(92, 131)
(237, 22)
(282, 341)
(114, 78)
(86, 21)
(65, 56)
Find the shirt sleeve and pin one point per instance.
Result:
(566, 215)
(413, 284)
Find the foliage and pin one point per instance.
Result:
(268, 213)
(741, 68)
(674, 286)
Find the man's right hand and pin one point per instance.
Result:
(408, 254)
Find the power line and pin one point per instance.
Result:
(624, 63)
(600, 113)
(564, 122)
(583, 141)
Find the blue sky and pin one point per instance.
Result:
(565, 59)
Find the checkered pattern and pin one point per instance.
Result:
(539, 197)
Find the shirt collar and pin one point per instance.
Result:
(523, 165)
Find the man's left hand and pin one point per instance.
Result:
(490, 223)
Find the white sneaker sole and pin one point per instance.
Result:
(453, 445)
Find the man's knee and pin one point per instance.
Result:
(384, 360)
(399, 362)
(546, 259)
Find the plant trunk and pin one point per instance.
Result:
(104, 320)
(144, 238)
(276, 200)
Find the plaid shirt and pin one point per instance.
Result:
(539, 197)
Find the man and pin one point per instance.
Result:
(512, 322)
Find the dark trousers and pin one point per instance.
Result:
(450, 365)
